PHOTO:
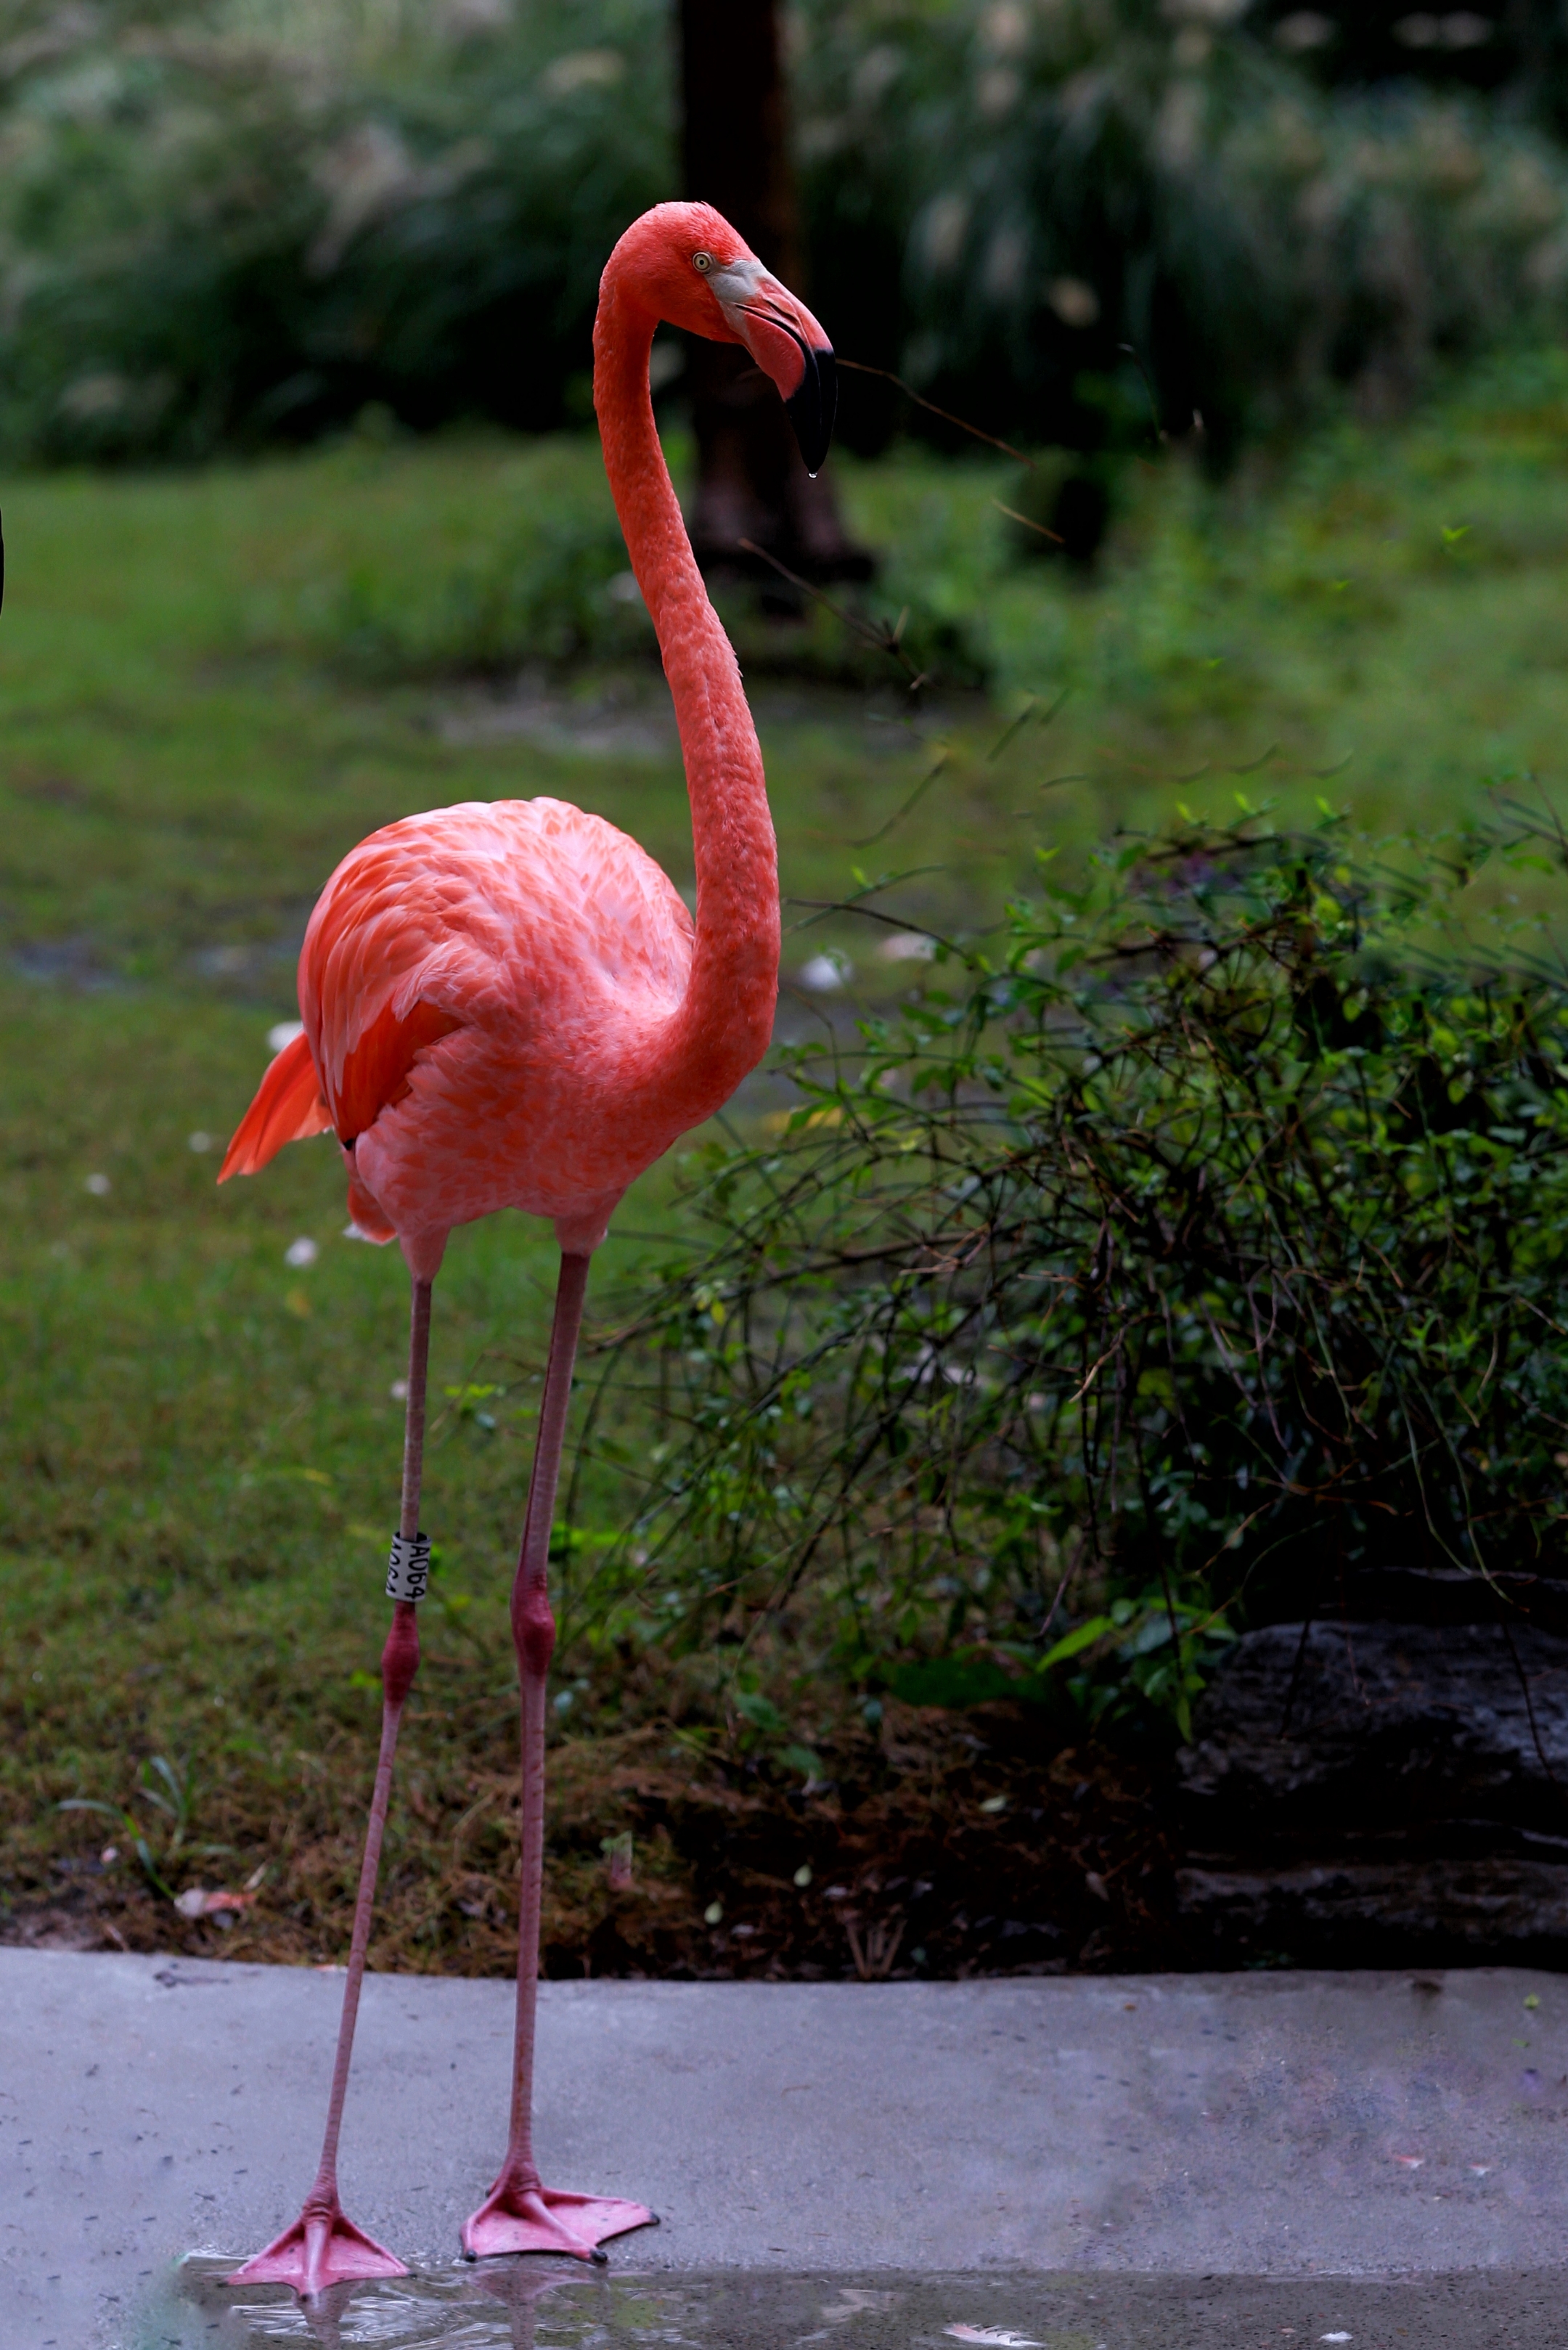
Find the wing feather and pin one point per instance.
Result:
(376, 1071)
(287, 1109)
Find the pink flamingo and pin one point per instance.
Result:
(508, 1005)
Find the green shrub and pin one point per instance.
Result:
(1200, 1241)
(534, 573)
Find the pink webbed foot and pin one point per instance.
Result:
(323, 2248)
(535, 2218)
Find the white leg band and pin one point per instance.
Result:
(409, 1568)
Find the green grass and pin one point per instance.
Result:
(199, 1444)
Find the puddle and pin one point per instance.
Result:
(534, 2305)
(631, 717)
(618, 723)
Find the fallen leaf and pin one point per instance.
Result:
(998, 2336)
(197, 1902)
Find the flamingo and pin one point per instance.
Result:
(508, 1005)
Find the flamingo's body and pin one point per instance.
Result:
(508, 1005)
(490, 994)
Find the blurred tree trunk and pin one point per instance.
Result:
(751, 483)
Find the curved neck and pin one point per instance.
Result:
(725, 1021)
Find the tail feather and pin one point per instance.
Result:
(367, 1216)
(288, 1107)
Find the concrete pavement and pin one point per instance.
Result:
(1265, 2127)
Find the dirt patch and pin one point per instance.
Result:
(942, 1845)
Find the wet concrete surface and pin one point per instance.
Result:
(1286, 2128)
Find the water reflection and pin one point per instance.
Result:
(533, 2304)
(529, 2305)
(463, 2308)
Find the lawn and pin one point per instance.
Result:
(210, 687)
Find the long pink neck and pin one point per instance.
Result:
(725, 1022)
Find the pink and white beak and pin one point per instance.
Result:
(788, 344)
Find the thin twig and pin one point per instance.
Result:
(1529, 1708)
(883, 639)
(1013, 514)
(1006, 447)
(1025, 714)
(916, 796)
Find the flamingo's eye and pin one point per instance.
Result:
(702, 262)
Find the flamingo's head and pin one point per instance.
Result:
(686, 264)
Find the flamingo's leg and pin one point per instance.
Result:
(521, 2214)
(323, 2247)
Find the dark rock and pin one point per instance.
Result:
(1382, 1913)
(1354, 1729)
(1374, 1793)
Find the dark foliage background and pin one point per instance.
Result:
(220, 224)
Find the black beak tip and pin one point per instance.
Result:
(811, 406)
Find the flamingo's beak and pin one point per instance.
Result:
(788, 344)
